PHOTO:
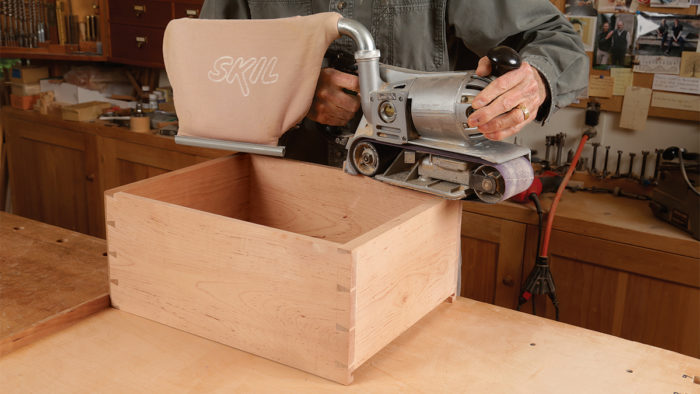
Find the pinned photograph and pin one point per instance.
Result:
(666, 34)
(670, 3)
(580, 7)
(585, 26)
(614, 40)
(616, 5)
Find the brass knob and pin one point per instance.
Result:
(141, 41)
(192, 13)
(508, 281)
(139, 9)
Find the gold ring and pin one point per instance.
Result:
(526, 112)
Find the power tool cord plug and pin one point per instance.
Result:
(540, 280)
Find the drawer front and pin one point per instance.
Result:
(137, 44)
(140, 12)
(187, 10)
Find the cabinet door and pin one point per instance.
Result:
(53, 175)
(123, 162)
(126, 162)
(492, 255)
(636, 293)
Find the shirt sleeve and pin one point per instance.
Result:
(538, 31)
(225, 9)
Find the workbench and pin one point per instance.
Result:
(466, 346)
(50, 277)
(617, 268)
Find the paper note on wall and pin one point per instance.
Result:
(673, 83)
(622, 79)
(635, 108)
(675, 101)
(690, 63)
(657, 64)
(600, 86)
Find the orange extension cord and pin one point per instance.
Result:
(557, 197)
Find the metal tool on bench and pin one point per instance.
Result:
(676, 198)
(414, 130)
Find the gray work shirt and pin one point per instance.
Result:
(441, 35)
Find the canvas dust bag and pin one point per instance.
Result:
(245, 80)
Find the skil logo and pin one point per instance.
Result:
(244, 71)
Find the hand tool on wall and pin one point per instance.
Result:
(21, 21)
(52, 22)
(60, 23)
(548, 142)
(35, 25)
(559, 139)
(605, 165)
(593, 159)
(643, 171)
(617, 166)
(657, 164)
(89, 36)
(3, 23)
(631, 167)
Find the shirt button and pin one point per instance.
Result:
(341, 5)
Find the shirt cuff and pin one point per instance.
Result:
(548, 74)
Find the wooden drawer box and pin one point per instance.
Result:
(137, 45)
(140, 12)
(295, 262)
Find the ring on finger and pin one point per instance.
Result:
(525, 111)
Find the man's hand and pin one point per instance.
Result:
(498, 113)
(331, 105)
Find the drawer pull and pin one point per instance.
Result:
(508, 281)
(139, 9)
(141, 41)
(192, 13)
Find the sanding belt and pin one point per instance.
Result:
(245, 80)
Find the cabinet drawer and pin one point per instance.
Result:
(140, 12)
(187, 10)
(137, 45)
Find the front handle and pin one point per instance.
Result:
(503, 59)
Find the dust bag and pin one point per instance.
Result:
(245, 80)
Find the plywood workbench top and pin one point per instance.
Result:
(49, 278)
(601, 216)
(466, 346)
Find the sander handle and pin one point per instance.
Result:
(503, 59)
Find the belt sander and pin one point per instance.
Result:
(413, 132)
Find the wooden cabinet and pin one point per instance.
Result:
(52, 175)
(59, 170)
(492, 255)
(634, 292)
(137, 27)
(617, 269)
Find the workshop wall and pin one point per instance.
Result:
(659, 133)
